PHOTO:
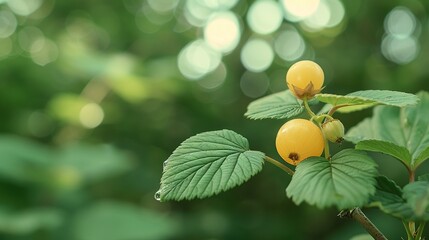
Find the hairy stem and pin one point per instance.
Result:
(279, 165)
(361, 218)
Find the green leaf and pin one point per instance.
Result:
(115, 221)
(389, 148)
(411, 203)
(417, 196)
(400, 128)
(424, 177)
(421, 157)
(346, 181)
(23, 160)
(278, 106)
(364, 99)
(92, 162)
(207, 164)
(388, 198)
(30, 221)
(362, 237)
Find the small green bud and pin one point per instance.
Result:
(333, 130)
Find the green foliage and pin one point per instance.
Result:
(417, 195)
(364, 99)
(113, 221)
(59, 56)
(345, 181)
(30, 221)
(22, 166)
(398, 152)
(278, 106)
(424, 177)
(207, 164)
(411, 203)
(400, 132)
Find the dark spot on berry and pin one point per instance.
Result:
(293, 156)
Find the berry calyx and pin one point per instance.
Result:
(333, 130)
(305, 79)
(299, 139)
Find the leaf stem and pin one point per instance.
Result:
(412, 175)
(307, 107)
(407, 229)
(420, 230)
(327, 154)
(279, 165)
(333, 109)
(411, 224)
(360, 217)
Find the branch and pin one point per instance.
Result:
(360, 217)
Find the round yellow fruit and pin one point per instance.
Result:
(305, 79)
(299, 139)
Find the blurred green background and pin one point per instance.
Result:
(95, 95)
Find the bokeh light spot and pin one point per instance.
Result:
(44, 51)
(214, 79)
(337, 12)
(197, 59)
(24, 7)
(28, 36)
(253, 84)
(220, 4)
(163, 6)
(222, 32)
(8, 23)
(400, 50)
(91, 115)
(264, 17)
(289, 45)
(299, 9)
(196, 12)
(257, 55)
(320, 18)
(400, 22)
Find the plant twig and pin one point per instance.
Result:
(279, 165)
(360, 217)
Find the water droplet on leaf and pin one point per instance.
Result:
(158, 195)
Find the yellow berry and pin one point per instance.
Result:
(299, 139)
(305, 79)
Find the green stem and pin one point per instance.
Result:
(279, 165)
(407, 229)
(327, 154)
(327, 116)
(361, 218)
(420, 230)
(307, 107)
(412, 228)
(332, 111)
(411, 224)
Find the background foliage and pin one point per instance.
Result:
(93, 101)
